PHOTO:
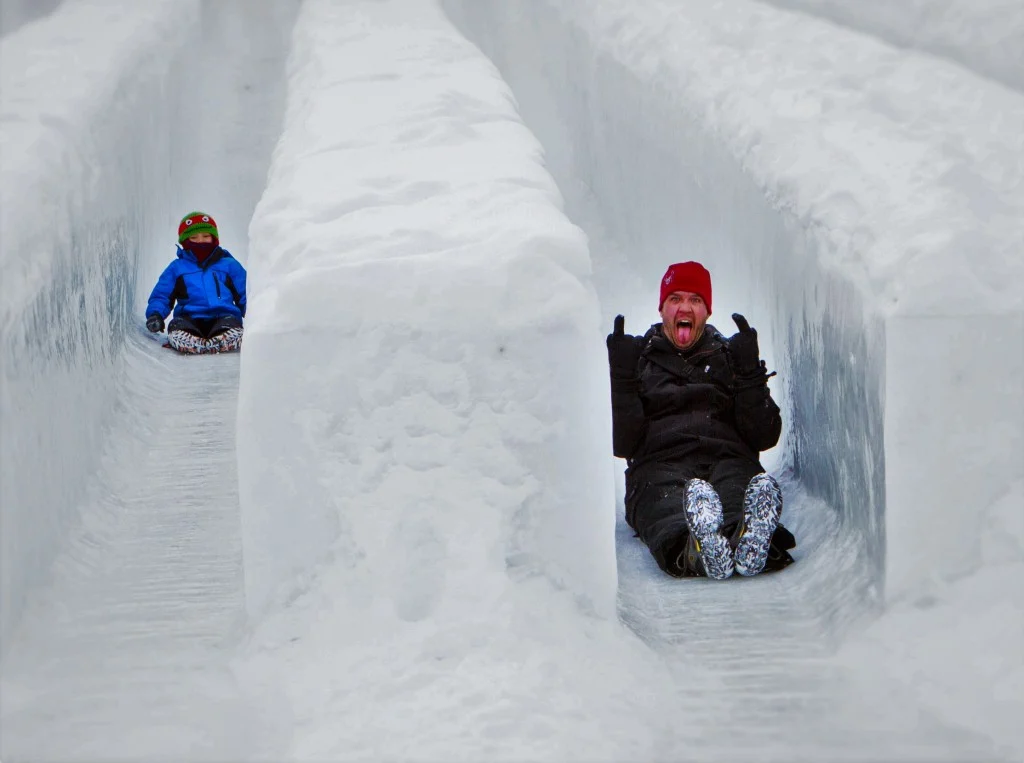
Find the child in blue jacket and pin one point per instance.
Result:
(208, 285)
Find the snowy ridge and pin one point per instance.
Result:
(427, 317)
(78, 150)
(16, 13)
(434, 496)
(986, 37)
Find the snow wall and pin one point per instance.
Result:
(852, 221)
(16, 13)
(82, 141)
(985, 37)
(442, 335)
(424, 527)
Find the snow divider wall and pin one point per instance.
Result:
(85, 189)
(873, 234)
(983, 36)
(16, 13)
(421, 301)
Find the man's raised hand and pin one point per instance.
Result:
(744, 354)
(623, 351)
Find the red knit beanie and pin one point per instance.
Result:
(687, 276)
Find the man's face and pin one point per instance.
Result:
(683, 316)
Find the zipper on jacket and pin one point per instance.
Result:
(216, 283)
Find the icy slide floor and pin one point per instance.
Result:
(129, 647)
(754, 669)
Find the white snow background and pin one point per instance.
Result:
(401, 538)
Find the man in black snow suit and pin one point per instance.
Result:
(691, 411)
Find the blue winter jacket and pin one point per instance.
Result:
(212, 290)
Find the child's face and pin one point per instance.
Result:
(201, 238)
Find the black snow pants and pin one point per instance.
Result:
(204, 327)
(655, 500)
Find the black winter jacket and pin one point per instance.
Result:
(690, 405)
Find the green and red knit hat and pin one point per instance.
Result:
(196, 222)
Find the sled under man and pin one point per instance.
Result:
(691, 412)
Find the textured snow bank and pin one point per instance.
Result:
(84, 189)
(958, 644)
(987, 37)
(16, 13)
(416, 319)
(421, 465)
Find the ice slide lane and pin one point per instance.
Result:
(752, 659)
(125, 652)
(129, 646)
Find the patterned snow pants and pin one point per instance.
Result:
(196, 336)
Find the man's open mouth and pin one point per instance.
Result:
(684, 332)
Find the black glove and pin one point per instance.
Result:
(155, 323)
(744, 355)
(623, 351)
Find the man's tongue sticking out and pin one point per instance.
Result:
(684, 333)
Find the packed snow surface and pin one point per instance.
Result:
(435, 565)
(987, 37)
(16, 13)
